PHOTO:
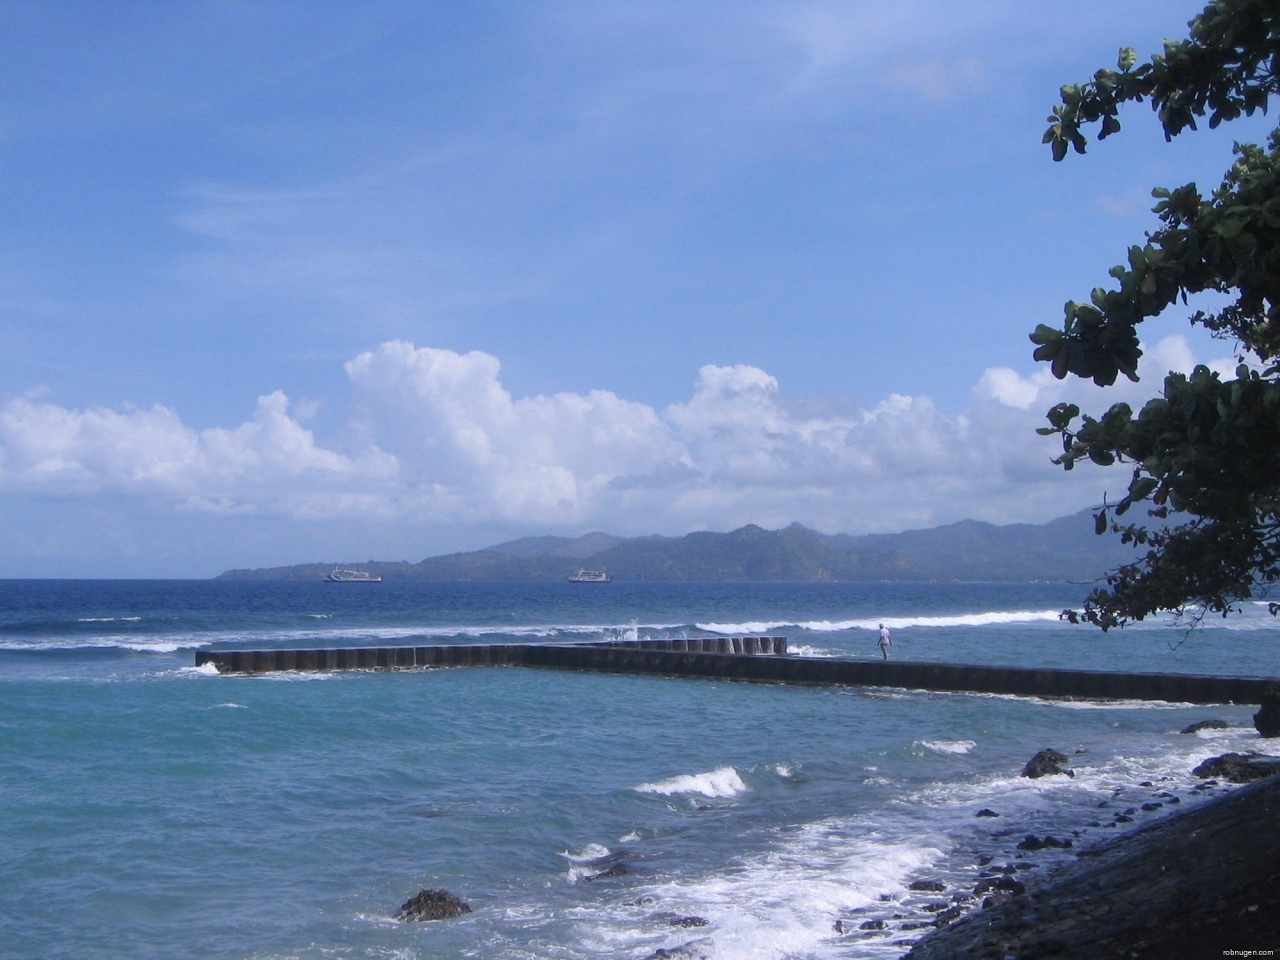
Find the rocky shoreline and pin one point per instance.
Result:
(1199, 883)
(1203, 882)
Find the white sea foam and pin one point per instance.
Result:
(160, 643)
(1221, 733)
(1058, 703)
(227, 706)
(296, 676)
(330, 636)
(781, 902)
(722, 782)
(745, 629)
(985, 618)
(153, 646)
(805, 650)
(591, 853)
(947, 746)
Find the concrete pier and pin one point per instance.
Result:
(758, 659)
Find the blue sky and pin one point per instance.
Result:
(284, 282)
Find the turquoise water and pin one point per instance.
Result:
(150, 809)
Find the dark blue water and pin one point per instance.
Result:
(149, 809)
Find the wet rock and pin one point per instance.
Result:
(1032, 843)
(1267, 719)
(872, 925)
(986, 813)
(616, 870)
(693, 950)
(1047, 763)
(1000, 884)
(928, 886)
(1205, 725)
(1153, 805)
(947, 916)
(1239, 767)
(676, 920)
(432, 905)
(1188, 885)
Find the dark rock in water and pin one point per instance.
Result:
(1036, 843)
(1001, 884)
(617, 870)
(432, 905)
(1239, 767)
(1153, 805)
(931, 886)
(1205, 725)
(694, 950)
(1047, 763)
(947, 916)
(1267, 719)
(872, 925)
(676, 920)
(986, 813)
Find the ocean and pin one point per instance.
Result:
(150, 809)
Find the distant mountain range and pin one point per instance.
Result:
(1064, 549)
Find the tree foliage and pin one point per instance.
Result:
(1205, 454)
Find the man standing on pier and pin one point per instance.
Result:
(885, 642)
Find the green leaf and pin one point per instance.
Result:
(1128, 57)
(1045, 334)
(1100, 523)
(1046, 352)
(1142, 488)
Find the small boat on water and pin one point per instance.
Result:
(353, 576)
(590, 576)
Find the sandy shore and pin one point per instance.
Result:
(1204, 883)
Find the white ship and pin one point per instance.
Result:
(353, 576)
(590, 576)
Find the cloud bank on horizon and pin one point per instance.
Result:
(641, 268)
(436, 438)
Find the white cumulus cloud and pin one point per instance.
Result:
(435, 437)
